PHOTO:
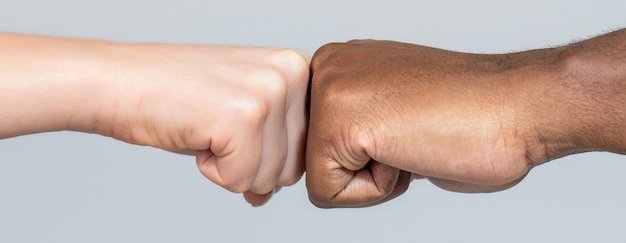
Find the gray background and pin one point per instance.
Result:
(72, 187)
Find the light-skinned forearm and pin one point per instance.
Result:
(51, 83)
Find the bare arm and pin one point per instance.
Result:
(240, 110)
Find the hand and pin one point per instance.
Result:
(240, 110)
(381, 111)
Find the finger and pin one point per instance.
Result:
(257, 200)
(382, 180)
(273, 155)
(326, 175)
(233, 163)
(293, 169)
(297, 119)
(401, 186)
(275, 89)
(362, 188)
(335, 159)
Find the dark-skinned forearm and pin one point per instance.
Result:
(588, 93)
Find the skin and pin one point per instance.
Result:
(240, 110)
(384, 112)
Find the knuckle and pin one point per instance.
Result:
(320, 201)
(268, 83)
(251, 111)
(319, 204)
(293, 60)
(318, 195)
(323, 53)
(335, 94)
(327, 49)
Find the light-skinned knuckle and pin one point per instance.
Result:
(301, 62)
(251, 111)
(270, 82)
(294, 60)
(276, 87)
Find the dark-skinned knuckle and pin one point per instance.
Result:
(327, 49)
(317, 195)
(336, 95)
(320, 205)
(323, 53)
(319, 201)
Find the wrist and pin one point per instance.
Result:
(122, 69)
(534, 105)
(91, 86)
(549, 108)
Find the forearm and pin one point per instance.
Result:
(50, 84)
(579, 105)
(597, 81)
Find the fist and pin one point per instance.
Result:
(240, 110)
(383, 112)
